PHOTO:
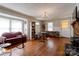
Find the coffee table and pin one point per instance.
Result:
(3, 51)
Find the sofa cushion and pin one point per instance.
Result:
(18, 33)
(14, 38)
(11, 34)
(8, 35)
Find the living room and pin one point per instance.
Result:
(36, 29)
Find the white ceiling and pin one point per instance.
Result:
(54, 10)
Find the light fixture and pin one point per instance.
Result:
(37, 23)
(44, 16)
(64, 24)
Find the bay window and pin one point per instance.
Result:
(4, 25)
(16, 26)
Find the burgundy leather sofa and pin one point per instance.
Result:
(14, 38)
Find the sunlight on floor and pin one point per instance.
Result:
(50, 43)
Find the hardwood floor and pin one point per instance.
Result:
(51, 47)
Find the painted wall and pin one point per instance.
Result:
(37, 27)
(68, 32)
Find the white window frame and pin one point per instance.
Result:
(50, 26)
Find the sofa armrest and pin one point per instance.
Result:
(2, 39)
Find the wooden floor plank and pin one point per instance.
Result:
(52, 47)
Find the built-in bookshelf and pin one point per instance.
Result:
(33, 29)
